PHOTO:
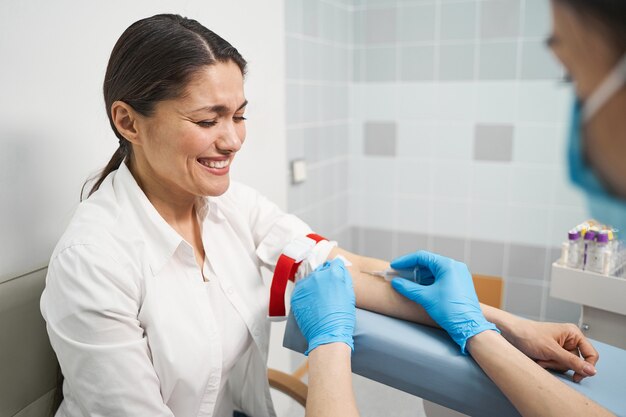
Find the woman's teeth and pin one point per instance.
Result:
(214, 164)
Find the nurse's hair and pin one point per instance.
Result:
(610, 14)
(154, 60)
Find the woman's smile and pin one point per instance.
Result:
(216, 166)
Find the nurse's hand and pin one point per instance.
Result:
(451, 300)
(323, 304)
(557, 346)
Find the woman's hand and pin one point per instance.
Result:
(323, 304)
(557, 346)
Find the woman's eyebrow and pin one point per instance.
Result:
(219, 108)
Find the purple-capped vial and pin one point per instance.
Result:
(573, 235)
(590, 235)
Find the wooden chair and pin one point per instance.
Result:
(291, 384)
(488, 289)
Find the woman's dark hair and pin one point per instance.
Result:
(611, 14)
(152, 61)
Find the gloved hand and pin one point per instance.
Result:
(323, 304)
(451, 300)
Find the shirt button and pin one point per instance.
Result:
(230, 290)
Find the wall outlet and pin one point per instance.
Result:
(298, 171)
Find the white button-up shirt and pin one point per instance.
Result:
(130, 318)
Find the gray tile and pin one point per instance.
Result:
(294, 197)
(562, 311)
(312, 150)
(358, 27)
(293, 16)
(416, 23)
(311, 103)
(310, 15)
(358, 65)
(380, 26)
(527, 261)
(311, 66)
(486, 258)
(327, 21)
(498, 61)
(537, 22)
(343, 218)
(294, 103)
(295, 144)
(499, 19)
(456, 62)
(407, 242)
(377, 243)
(553, 255)
(380, 138)
(538, 63)
(344, 25)
(356, 238)
(376, 3)
(417, 63)
(379, 64)
(451, 247)
(523, 299)
(458, 21)
(293, 58)
(343, 239)
(342, 179)
(493, 142)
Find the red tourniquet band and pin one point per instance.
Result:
(286, 268)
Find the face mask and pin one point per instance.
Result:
(603, 206)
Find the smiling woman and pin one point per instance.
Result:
(154, 302)
(162, 58)
(184, 148)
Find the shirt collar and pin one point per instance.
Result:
(161, 240)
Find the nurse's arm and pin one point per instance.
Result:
(530, 388)
(548, 343)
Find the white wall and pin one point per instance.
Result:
(53, 127)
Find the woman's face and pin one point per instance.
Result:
(188, 144)
(587, 52)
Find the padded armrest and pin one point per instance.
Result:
(425, 362)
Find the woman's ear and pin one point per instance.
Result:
(125, 119)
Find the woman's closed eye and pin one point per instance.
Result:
(211, 123)
(206, 123)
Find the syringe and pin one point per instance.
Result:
(419, 274)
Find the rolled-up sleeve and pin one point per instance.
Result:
(91, 306)
(273, 229)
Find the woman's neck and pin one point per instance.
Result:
(177, 209)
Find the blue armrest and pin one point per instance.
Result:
(425, 362)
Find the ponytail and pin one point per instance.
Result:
(116, 160)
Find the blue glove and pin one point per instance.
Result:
(451, 300)
(323, 304)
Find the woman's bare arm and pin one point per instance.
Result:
(530, 388)
(375, 294)
(330, 382)
(551, 344)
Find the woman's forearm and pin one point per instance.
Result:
(330, 382)
(375, 294)
(521, 379)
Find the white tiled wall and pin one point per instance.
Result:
(443, 76)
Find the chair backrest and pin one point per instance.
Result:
(488, 289)
(28, 366)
